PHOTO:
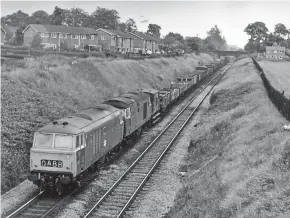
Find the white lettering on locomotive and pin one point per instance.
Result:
(52, 163)
(43, 163)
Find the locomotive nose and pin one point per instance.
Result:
(51, 161)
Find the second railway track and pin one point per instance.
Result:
(118, 198)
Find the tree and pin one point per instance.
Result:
(39, 17)
(257, 31)
(281, 30)
(58, 16)
(16, 19)
(77, 17)
(131, 25)
(193, 43)
(104, 18)
(36, 41)
(174, 40)
(214, 40)
(154, 30)
(19, 35)
(122, 27)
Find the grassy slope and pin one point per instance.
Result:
(250, 177)
(32, 95)
(278, 74)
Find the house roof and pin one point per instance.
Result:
(116, 33)
(60, 29)
(4, 29)
(143, 36)
(275, 48)
(11, 29)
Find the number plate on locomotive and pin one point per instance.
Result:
(51, 163)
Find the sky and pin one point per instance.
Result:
(189, 18)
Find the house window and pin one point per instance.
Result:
(113, 37)
(53, 35)
(268, 51)
(62, 35)
(83, 36)
(92, 37)
(73, 36)
(275, 51)
(44, 35)
(275, 56)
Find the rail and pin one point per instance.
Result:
(146, 175)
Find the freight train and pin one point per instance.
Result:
(65, 151)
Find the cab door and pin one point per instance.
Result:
(89, 148)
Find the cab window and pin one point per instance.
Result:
(77, 141)
(43, 140)
(63, 141)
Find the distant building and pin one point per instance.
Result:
(275, 52)
(144, 42)
(115, 40)
(54, 35)
(8, 33)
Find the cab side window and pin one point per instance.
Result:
(77, 142)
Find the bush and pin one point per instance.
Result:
(36, 42)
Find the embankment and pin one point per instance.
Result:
(37, 91)
(250, 175)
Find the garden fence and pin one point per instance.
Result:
(278, 98)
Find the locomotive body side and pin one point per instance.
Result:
(128, 108)
(154, 100)
(143, 107)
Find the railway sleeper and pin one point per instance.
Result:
(116, 201)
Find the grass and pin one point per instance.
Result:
(278, 74)
(36, 91)
(250, 177)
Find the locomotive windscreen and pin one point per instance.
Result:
(43, 140)
(63, 141)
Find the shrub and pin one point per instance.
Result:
(36, 42)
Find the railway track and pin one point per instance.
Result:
(38, 206)
(118, 198)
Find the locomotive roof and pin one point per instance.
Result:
(201, 68)
(120, 102)
(150, 91)
(136, 96)
(73, 124)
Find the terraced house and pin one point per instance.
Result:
(275, 52)
(54, 36)
(115, 40)
(144, 43)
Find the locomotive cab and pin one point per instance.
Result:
(53, 157)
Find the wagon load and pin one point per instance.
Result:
(201, 71)
(210, 68)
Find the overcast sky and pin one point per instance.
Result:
(188, 18)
